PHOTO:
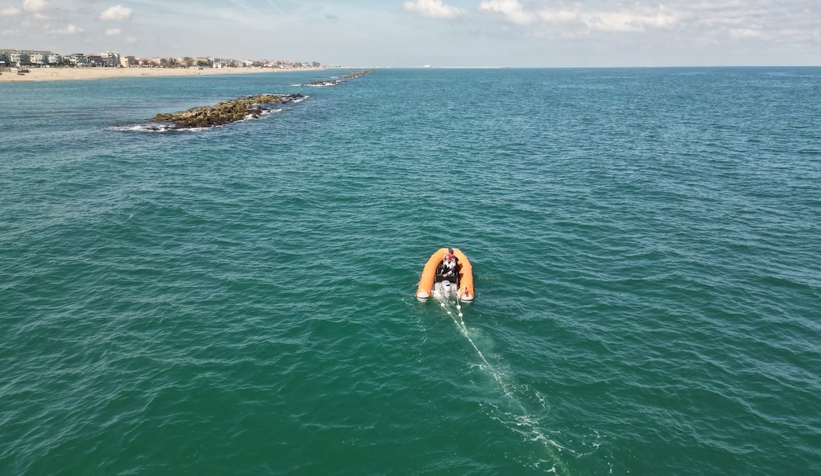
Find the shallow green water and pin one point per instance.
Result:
(240, 300)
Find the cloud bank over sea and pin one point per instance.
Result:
(438, 32)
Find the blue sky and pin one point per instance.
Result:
(408, 33)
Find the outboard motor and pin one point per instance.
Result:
(446, 288)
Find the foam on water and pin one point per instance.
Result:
(514, 416)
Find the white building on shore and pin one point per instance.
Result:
(18, 58)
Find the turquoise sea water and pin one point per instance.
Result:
(240, 300)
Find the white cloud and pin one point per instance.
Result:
(631, 18)
(726, 17)
(131, 40)
(433, 9)
(628, 21)
(9, 32)
(745, 33)
(113, 32)
(512, 10)
(117, 13)
(35, 6)
(9, 11)
(241, 5)
(67, 31)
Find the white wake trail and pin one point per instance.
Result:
(524, 419)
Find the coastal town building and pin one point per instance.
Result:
(110, 59)
(76, 59)
(18, 58)
(94, 61)
(13, 58)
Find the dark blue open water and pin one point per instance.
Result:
(240, 300)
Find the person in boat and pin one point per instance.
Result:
(448, 269)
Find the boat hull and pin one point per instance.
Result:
(426, 287)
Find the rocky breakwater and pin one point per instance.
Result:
(339, 80)
(356, 74)
(323, 82)
(227, 111)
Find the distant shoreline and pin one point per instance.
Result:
(82, 74)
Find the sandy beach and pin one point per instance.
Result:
(71, 74)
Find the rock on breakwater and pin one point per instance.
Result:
(356, 74)
(323, 82)
(227, 111)
(339, 80)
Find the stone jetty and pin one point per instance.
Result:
(356, 74)
(323, 82)
(227, 111)
(340, 80)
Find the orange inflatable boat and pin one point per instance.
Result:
(436, 282)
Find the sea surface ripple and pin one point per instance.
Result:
(240, 300)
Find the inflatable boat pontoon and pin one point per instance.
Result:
(433, 283)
